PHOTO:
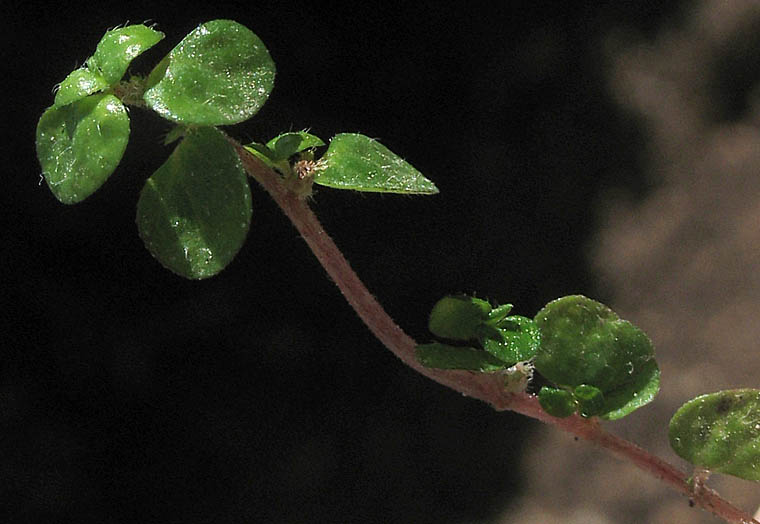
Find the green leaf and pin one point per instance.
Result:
(557, 402)
(630, 396)
(277, 152)
(119, 47)
(585, 342)
(458, 317)
(261, 149)
(354, 161)
(720, 432)
(498, 313)
(590, 400)
(262, 152)
(194, 211)
(267, 156)
(157, 73)
(219, 74)
(517, 340)
(79, 84)
(79, 145)
(107, 66)
(443, 356)
(288, 144)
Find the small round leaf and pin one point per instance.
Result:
(195, 210)
(288, 144)
(557, 402)
(80, 144)
(443, 356)
(119, 47)
(585, 342)
(79, 84)
(219, 74)
(720, 432)
(355, 161)
(590, 400)
(458, 317)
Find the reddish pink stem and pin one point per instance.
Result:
(488, 388)
(591, 430)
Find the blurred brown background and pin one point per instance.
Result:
(684, 262)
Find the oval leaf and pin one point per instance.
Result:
(119, 47)
(557, 402)
(585, 342)
(443, 356)
(219, 74)
(195, 210)
(79, 84)
(288, 144)
(458, 317)
(79, 145)
(720, 432)
(355, 161)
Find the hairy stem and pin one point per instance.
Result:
(488, 388)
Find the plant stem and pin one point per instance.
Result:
(591, 430)
(485, 387)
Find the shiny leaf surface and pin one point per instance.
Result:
(219, 74)
(585, 342)
(79, 84)
(119, 47)
(80, 144)
(517, 339)
(195, 210)
(357, 162)
(630, 396)
(720, 432)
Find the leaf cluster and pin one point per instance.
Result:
(487, 339)
(599, 364)
(195, 210)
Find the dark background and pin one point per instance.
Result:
(128, 394)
